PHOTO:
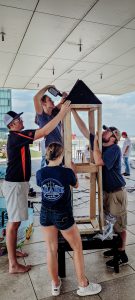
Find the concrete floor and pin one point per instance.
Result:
(36, 284)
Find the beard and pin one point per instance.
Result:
(105, 140)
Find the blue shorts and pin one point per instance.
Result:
(61, 220)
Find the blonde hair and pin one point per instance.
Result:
(53, 151)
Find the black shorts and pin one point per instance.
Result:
(61, 220)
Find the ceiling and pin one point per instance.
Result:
(41, 40)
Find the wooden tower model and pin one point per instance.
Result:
(82, 99)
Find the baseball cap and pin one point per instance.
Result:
(114, 130)
(10, 116)
(124, 133)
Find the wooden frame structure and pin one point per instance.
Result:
(94, 171)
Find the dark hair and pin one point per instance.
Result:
(43, 99)
(53, 151)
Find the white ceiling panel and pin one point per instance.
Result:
(115, 46)
(105, 72)
(5, 61)
(131, 24)
(25, 4)
(63, 85)
(45, 33)
(70, 8)
(80, 70)
(14, 23)
(127, 59)
(26, 65)
(59, 66)
(90, 34)
(116, 79)
(2, 79)
(16, 82)
(113, 12)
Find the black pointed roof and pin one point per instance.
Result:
(81, 94)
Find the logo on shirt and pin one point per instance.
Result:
(52, 189)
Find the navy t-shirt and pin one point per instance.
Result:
(112, 178)
(55, 135)
(55, 185)
(18, 153)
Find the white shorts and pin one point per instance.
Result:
(16, 196)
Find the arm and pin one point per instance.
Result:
(64, 95)
(126, 150)
(73, 167)
(37, 99)
(39, 133)
(97, 154)
(81, 125)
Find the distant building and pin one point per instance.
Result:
(5, 105)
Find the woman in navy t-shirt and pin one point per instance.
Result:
(56, 214)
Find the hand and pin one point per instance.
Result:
(64, 95)
(73, 167)
(65, 108)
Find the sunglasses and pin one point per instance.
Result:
(17, 120)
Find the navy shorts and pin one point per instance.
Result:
(61, 220)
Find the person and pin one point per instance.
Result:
(42, 148)
(57, 215)
(126, 149)
(114, 192)
(18, 173)
(87, 153)
(46, 111)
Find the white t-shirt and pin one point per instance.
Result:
(126, 143)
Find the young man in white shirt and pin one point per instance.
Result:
(126, 153)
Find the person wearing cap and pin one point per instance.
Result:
(18, 173)
(114, 192)
(126, 149)
(46, 111)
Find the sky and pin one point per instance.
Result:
(118, 111)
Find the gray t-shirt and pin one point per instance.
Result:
(55, 135)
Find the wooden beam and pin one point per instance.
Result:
(86, 168)
(83, 107)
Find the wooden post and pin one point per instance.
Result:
(68, 140)
(100, 192)
(92, 175)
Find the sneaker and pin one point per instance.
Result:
(90, 289)
(56, 289)
(123, 260)
(126, 174)
(108, 253)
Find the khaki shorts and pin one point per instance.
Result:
(116, 204)
(16, 196)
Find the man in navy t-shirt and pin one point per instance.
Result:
(114, 192)
(45, 112)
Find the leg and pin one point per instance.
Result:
(123, 235)
(11, 240)
(72, 235)
(51, 239)
(127, 169)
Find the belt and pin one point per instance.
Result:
(116, 190)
